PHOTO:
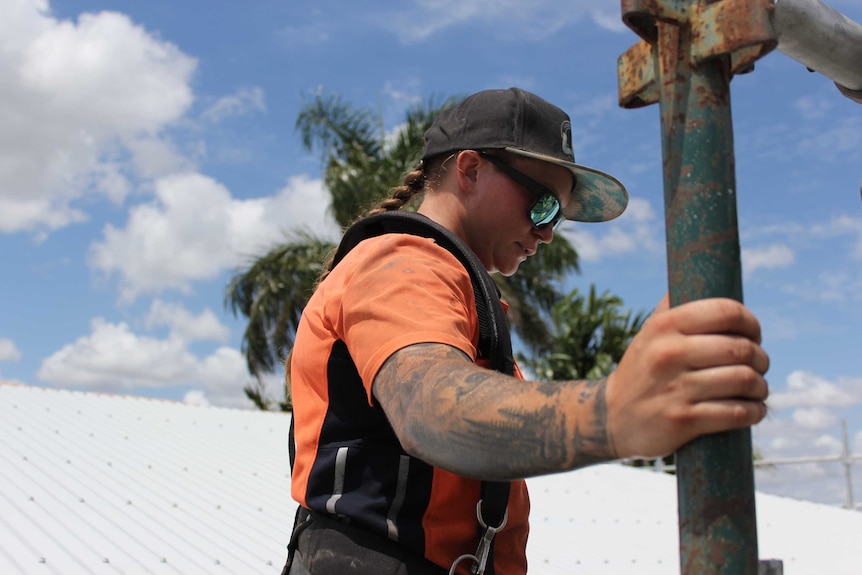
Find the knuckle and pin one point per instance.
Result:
(661, 322)
(680, 418)
(740, 415)
(667, 356)
(742, 351)
(748, 383)
(733, 311)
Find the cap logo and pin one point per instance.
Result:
(566, 136)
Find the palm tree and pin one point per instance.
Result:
(361, 162)
(589, 336)
(271, 293)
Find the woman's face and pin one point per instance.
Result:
(501, 231)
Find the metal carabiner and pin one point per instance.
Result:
(483, 551)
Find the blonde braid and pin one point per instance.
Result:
(413, 184)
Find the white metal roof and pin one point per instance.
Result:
(97, 484)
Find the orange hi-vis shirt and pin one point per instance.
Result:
(389, 292)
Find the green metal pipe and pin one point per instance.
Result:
(715, 475)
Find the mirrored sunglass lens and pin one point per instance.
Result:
(544, 210)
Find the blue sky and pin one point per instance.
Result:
(148, 150)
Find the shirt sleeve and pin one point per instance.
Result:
(403, 290)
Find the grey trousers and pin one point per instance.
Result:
(329, 547)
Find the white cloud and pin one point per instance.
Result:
(830, 442)
(805, 416)
(245, 100)
(637, 229)
(814, 417)
(8, 350)
(218, 375)
(833, 286)
(194, 230)
(773, 256)
(813, 481)
(182, 324)
(155, 157)
(809, 431)
(805, 389)
(608, 16)
(853, 226)
(114, 358)
(82, 93)
(533, 21)
(812, 108)
(829, 143)
(825, 250)
(838, 226)
(196, 397)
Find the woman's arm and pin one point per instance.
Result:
(480, 423)
(694, 369)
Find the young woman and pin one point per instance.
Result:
(399, 423)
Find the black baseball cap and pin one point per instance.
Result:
(522, 123)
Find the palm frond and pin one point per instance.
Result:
(271, 293)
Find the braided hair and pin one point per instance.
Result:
(414, 184)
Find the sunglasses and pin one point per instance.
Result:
(546, 209)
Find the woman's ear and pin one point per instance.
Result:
(468, 163)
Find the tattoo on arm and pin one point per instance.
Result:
(480, 423)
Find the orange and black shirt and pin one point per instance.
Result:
(389, 292)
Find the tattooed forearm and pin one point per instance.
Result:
(481, 423)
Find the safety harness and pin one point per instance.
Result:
(495, 345)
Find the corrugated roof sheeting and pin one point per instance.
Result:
(94, 483)
(112, 484)
(613, 520)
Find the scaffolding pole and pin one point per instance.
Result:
(688, 53)
(823, 40)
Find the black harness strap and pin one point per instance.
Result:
(495, 343)
(494, 340)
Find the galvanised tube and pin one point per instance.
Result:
(822, 39)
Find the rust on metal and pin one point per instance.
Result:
(730, 25)
(637, 85)
(739, 29)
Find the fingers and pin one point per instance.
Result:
(705, 351)
(693, 369)
(718, 416)
(714, 315)
(727, 382)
